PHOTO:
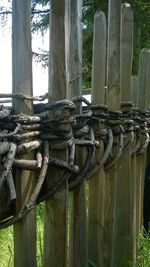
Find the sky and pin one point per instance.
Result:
(40, 74)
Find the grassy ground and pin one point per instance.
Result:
(6, 246)
(6, 242)
(143, 259)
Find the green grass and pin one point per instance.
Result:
(6, 246)
(6, 242)
(39, 234)
(143, 259)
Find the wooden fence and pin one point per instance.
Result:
(86, 162)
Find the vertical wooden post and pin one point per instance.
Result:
(126, 51)
(57, 62)
(134, 91)
(134, 173)
(143, 79)
(56, 207)
(24, 231)
(99, 59)
(121, 251)
(75, 49)
(113, 101)
(147, 162)
(79, 227)
(113, 55)
(143, 103)
(97, 182)
(134, 99)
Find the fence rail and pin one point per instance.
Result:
(85, 162)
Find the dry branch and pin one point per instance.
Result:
(25, 97)
(4, 147)
(28, 147)
(25, 164)
(11, 195)
(8, 163)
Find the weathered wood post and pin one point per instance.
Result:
(113, 101)
(97, 181)
(99, 59)
(79, 227)
(121, 251)
(24, 231)
(143, 103)
(55, 250)
(134, 91)
(134, 99)
(126, 51)
(74, 55)
(113, 57)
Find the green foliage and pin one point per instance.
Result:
(40, 22)
(89, 9)
(40, 15)
(6, 247)
(6, 241)
(39, 234)
(143, 259)
(141, 9)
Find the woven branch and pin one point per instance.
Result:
(104, 158)
(55, 185)
(28, 147)
(26, 208)
(8, 163)
(4, 147)
(10, 187)
(39, 159)
(4, 113)
(7, 135)
(25, 164)
(41, 135)
(25, 97)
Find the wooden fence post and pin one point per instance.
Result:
(134, 99)
(121, 252)
(55, 243)
(25, 230)
(126, 51)
(74, 59)
(97, 181)
(80, 223)
(113, 55)
(143, 79)
(113, 101)
(99, 59)
(143, 103)
(134, 91)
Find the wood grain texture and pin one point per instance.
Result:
(57, 59)
(144, 79)
(97, 181)
(56, 208)
(79, 229)
(24, 231)
(134, 90)
(127, 51)
(99, 59)
(121, 251)
(55, 237)
(143, 104)
(74, 51)
(113, 55)
(113, 102)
